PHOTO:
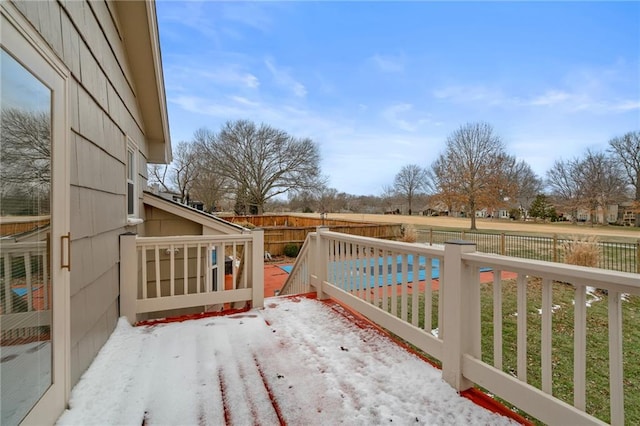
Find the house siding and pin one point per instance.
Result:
(159, 223)
(102, 111)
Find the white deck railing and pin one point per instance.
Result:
(168, 273)
(355, 271)
(25, 269)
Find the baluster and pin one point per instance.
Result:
(497, 319)
(546, 337)
(198, 267)
(157, 267)
(580, 347)
(415, 310)
(615, 358)
(404, 290)
(522, 326)
(143, 251)
(8, 306)
(394, 283)
(185, 268)
(172, 271)
(428, 294)
(28, 283)
(45, 281)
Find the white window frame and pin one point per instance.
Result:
(132, 156)
(27, 46)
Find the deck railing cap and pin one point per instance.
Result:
(461, 242)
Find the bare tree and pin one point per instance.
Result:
(209, 187)
(474, 170)
(564, 185)
(327, 199)
(180, 175)
(591, 182)
(529, 186)
(261, 161)
(159, 175)
(443, 182)
(302, 201)
(626, 151)
(410, 181)
(185, 170)
(602, 183)
(389, 198)
(25, 153)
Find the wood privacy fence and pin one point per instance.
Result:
(617, 256)
(12, 225)
(281, 230)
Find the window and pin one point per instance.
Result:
(132, 194)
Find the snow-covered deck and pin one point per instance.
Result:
(298, 361)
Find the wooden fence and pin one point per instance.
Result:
(281, 230)
(12, 225)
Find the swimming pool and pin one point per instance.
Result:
(361, 273)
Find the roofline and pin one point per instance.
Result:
(139, 25)
(189, 213)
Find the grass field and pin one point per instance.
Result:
(607, 232)
(562, 343)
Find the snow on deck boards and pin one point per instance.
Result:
(296, 362)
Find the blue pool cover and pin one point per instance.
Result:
(359, 272)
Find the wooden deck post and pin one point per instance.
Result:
(459, 317)
(128, 276)
(257, 266)
(322, 256)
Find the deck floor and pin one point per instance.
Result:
(298, 361)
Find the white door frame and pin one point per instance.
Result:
(27, 46)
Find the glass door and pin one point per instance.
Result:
(33, 280)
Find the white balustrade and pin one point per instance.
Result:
(355, 271)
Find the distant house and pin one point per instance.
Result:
(620, 214)
(92, 71)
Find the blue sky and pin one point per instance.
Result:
(379, 85)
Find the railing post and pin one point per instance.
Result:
(555, 247)
(257, 266)
(322, 258)
(128, 276)
(461, 311)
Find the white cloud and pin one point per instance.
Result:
(284, 79)
(243, 101)
(625, 105)
(351, 153)
(403, 116)
(564, 100)
(189, 75)
(249, 14)
(551, 97)
(388, 63)
(466, 94)
(231, 75)
(393, 115)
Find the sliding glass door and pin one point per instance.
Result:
(33, 223)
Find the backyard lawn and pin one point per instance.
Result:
(562, 342)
